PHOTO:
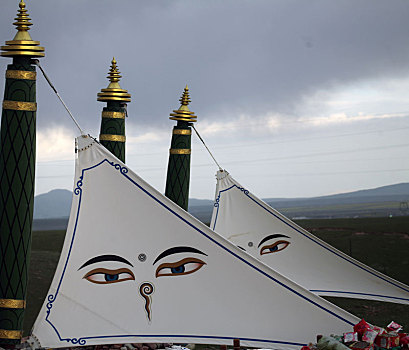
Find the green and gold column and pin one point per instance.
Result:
(17, 167)
(112, 134)
(178, 177)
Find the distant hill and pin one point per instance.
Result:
(391, 200)
(193, 202)
(401, 189)
(390, 190)
(53, 204)
(398, 192)
(381, 201)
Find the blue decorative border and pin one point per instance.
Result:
(247, 193)
(83, 340)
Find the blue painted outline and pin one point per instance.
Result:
(247, 193)
(354, 293)
(82, 340)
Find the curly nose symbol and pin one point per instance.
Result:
(145, 290)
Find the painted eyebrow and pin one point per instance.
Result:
(175, 250)
(101, 258)
(270, 237)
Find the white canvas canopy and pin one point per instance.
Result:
(292, 251)
(135, 267)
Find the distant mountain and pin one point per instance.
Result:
(397, 189)
(57, 204)
(401, 189)
(385, 194)
(381, 201)
(193, 202)
(53, 204)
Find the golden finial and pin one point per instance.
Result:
(183, 113)
(22, 22)
(114, 74)
(184, 100)
(114, 92)
(22, 44)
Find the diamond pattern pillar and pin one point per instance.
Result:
(112, 134)
(178, 176)
(17, 170)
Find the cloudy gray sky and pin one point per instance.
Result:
(294, 97)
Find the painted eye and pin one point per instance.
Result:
(274, 248)
(182, 267)
(105, 276)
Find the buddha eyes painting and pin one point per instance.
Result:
(173, 262)
(180, 267)
(273, 244)
(106, 276)
(270, 244)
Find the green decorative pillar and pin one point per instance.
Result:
(178, 177)
(112, 134)
(17, 170)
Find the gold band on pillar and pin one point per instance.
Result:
(182, 132)
(20, 106)
(12, 303)
(106, 137)
(6, 334)
(110, 114)
(21, 74)
(180, 151)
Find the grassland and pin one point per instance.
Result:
(45, 252)
(349, 210)
(382, 243)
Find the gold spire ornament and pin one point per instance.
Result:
(183, 113)
(114, 92)
(22, 44)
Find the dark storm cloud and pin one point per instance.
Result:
(237, 56)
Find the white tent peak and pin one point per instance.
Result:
(221, 174)
(268, 235)
(135, 267)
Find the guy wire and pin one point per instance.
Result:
(220, 168)
(37, 62)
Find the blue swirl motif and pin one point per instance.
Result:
(123, 170)
(216, 202)
(78, 189)
(51, 298)
(79, 341)
(242, 189)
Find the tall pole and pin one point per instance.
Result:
(178, 177)
(17, 170)
(112, 134)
